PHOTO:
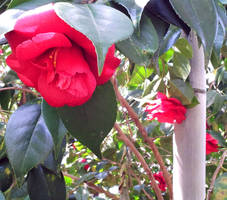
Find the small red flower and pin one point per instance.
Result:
(166, 109)
(211, 144)
(86, 166)
(1, 52)
(162, 184)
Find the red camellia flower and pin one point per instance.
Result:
(162, 184)
(55, 59)
(166, 109)
(211, 144)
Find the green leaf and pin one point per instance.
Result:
(201, 16)
(52, 162)
(215, 99)
(181, 90)
(184, 47)
(181, 66)
(103, 25)
(141, 46)
(140, 73)
(220, 188)
(10, 16)
(2, 147)
(6, 175)
(2, 197)
(169, 40)
(55, 125)
(91, 122)
(211, 95)
(28, 140)
(86, 177)
(46, 185)
(29, 4)
(134, 8)
(218, 42)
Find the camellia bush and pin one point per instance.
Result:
(113, 99)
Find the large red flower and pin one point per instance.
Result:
(162, 184)
(166, 109)
(54, 58)
(211, 144)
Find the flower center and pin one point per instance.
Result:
(53, 56)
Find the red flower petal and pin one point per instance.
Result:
(44, 19)
(211, 144)
(73, 83)
(169, 110)
(26, 71)
(162, 184)
(40, 43)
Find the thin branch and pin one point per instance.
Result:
(18, 88)
(209, 191)
(129, 144)
(147, 139)
(93, 186)
(139, 182)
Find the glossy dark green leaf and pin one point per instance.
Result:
(211, 95)
(215, 99)
(169, 39)
(6, 174)
(28, 140)
(52, 162)
(102, 24)
(46, 185)
(222, 17)
(163, 10)
(19, 192)
(10, 16)
(181, 90)
(134, 8)
(184, 47)
(54, 124)
(2, 197)
(181, 66)
(220, 188)
(200, 16)
(141, 46)
(218, 42)
(29, 4)
(91, 122)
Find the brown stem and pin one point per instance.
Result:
(209, 191)
(147, 139)
(139, 182)
(129, 144)
(17, 88)
(93, 186)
